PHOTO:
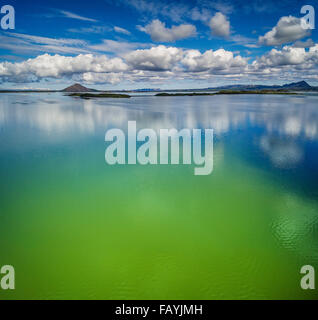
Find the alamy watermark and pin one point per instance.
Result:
(147, 148)
(7, 17)
(7, 278)
(308, 21)
(307, 281)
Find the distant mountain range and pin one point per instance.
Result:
(302, 85)
(295, 86)
(298, 86)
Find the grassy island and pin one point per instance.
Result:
(254, 92)
(99, 95)
(192, 94)
(222, 92)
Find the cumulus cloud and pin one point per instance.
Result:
(304, 44)
(288, 29)
(289, 56)
(162, 58)
(286, 56)
(94, 78)
(217, 61)
(57, 66)
(159, 58)
(160, 33)
(220, 26)
(288, 64)
(159, 63)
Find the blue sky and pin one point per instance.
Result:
(122, 44)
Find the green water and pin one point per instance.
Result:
(75, 228)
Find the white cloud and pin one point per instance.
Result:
(304, 44)
(178, 11)
(156, 59)
(92, 29)
(118, 47)
(244, 41)
(29, 43)
(161, 63)
(182, 62)
(158, 31)
(288, 29)
(19, 42)
(71, 15)
(220, 26)
(48, 66)
(288, 64)
(174, 11)
(289, 56)
(49, 41)
(121, 30)
(198, 14)
(218, 61)
(225, 7)
(286, 56)
(94, 78)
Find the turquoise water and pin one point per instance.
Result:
(75, 227)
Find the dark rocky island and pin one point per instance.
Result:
(78, 88)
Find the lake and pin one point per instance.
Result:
(76, 228)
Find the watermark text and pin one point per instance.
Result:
(308, 21)
(147, 148)
(7, 17)
(307, 281)
(7, 278)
